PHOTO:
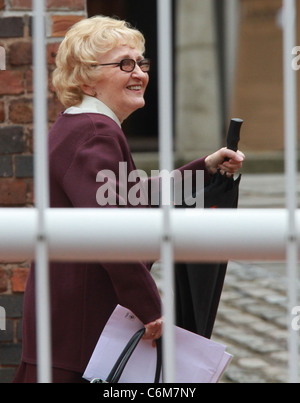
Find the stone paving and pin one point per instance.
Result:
(252, 319)
(252, 322)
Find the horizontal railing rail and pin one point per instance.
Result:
(135, 234)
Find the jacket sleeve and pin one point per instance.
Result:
(197, 165)
(136, 289)
(133, 283)
(185, 182)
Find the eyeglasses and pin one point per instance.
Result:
(128, 65)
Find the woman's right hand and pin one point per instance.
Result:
(154, 330)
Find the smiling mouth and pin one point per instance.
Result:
(134, 88)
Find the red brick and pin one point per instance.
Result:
(2, 112)
(20, 53)
(54, 108)
(11, 82)
(50, 4)
(19, 279)
(21, 111)
(52, 49)
(50, 80)
(62, 23)
(66, 4)
(12, 192)
(2, 4)
(30, 194)
(21, 4)
(3, 280)
(29, 78)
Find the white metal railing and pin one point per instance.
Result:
(166, 233)
(41, 192)
(126, 234)
(165, 62)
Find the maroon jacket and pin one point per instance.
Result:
(83, 296)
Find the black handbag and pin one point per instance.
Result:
(118, 368)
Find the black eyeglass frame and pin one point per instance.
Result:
(145, 62)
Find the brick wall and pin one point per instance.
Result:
(16, 142)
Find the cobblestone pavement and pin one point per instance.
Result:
(252, 319)
(252, 323)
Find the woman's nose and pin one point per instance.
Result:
(138, 71)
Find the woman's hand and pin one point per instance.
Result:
(226, 160)
(154, 330)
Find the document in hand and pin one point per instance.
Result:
(198, 360)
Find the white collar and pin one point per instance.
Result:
(92, 105)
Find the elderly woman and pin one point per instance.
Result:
(101, 79)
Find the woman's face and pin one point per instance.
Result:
(121, 91)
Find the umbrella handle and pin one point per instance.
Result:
(233, 136)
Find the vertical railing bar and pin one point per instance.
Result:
(164, 13)
(290, 111)
(41, 187)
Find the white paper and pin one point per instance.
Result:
(198, 360)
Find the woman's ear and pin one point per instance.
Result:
(87, 90)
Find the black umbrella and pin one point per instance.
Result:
(199, 286)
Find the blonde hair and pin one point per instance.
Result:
(77, 55)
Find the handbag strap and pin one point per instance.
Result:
(159, 360)
(120, 364)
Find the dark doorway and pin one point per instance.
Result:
(141, 128)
